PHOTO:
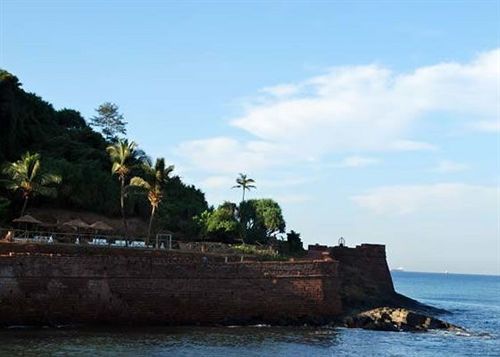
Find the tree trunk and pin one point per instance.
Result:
(153, 210)
(122, 205)
(243, 198)
(25, 204)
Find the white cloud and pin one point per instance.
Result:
(406, 199)
(283, 90)
(358, 161)
(217, 182)
(447, 166)
(283, 181)
(227, 155)
(292, 198)
(351, 109)
(488, 126)
(411, 145)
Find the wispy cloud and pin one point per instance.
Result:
(358, 161)
(293, 198)
(360, 109)
(447, 166)
(491, 126)
(217, 182)
(228, 155)
(407, 199)
(412, 145)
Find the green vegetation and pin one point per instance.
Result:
(110, 121)
(252, 222)
(70, 169)
(26, 177)
(4, 207)
(292, 246)
(71, 149)
(220, 225)
(153, 183)
(261, 220)
(262, 254)
(245, 183)
(122, 155)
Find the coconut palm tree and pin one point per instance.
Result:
(25, 175)
(245, 183)
(153, 183)
(122, 154)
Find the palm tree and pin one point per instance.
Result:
(25, 176)
(153, 183)
(121, 154)
(244, 183)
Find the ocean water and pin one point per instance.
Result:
(474, 301)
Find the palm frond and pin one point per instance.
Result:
(140, 182)
(48, 179)
(44, 190)
(116, 167)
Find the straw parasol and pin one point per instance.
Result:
(101, 226)
(27, 219)
(76, 223)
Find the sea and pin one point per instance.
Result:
(473, 302)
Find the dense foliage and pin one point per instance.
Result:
(110, 121)
(111, 176)
(245, 183)
(253, 221)
(26, 176)
(153, 183)
(71, 149)
(221, 224)
(261, 220)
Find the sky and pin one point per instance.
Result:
(377, 121)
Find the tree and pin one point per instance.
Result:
(4, 208)
(69, 118)
(153, 182)
(77, 152)
(294, 242)
(220, 224)
(184, 202)
(25, 175)
(261, 220)
(110, 121)
(122, 154)
(245, 183)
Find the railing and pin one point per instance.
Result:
(82, 238)
(159, 242)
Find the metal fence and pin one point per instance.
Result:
(161, 241)
(158, 242)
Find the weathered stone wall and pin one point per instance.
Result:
(50, 285)
(364, 275)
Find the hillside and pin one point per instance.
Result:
(69, 147)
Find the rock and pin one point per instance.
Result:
(397, 319)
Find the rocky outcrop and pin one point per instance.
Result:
(397, 319)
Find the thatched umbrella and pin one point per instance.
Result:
(76, 223)
(27, 219)
(101, 226)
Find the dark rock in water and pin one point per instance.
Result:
(397, 319)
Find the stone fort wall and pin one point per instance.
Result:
(71, 284)
(365, 279)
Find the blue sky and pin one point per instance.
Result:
(376, 121)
